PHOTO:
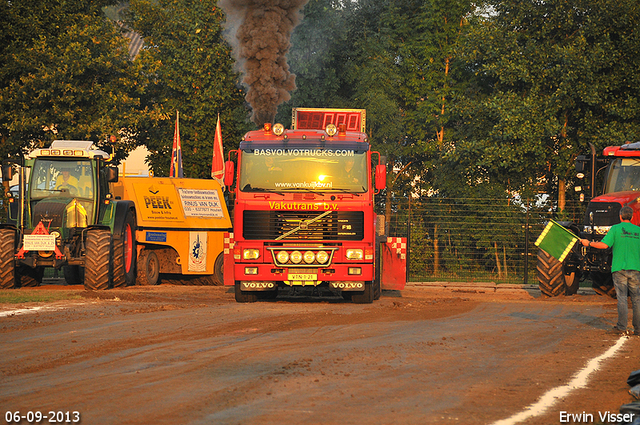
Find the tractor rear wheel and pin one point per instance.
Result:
(551, 280)
(7, 259)
(97, 259)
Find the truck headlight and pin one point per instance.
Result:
(250, 254)
(354, 254)
(282, 257)
(322, 257)
(309, 257)
(296, 257)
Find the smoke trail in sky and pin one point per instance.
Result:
(260, 33)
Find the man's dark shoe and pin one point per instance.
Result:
(617, 331)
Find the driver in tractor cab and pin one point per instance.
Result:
(85, 182)
(66, 181)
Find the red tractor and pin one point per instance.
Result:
(621, 186)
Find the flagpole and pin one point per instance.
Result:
(176, 152)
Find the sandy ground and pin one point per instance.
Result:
(192, 355)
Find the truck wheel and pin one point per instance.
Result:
(7, 259)
(602, 283)
(73, 275)
(98, 253)
(364, 297)
(377, 289)
(124, 255)
(218, 270)
(244, 296)
(268, 295)
(551, 280)
(28, 277)
(148, 268)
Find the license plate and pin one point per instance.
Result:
(302, 275)
(39, 242)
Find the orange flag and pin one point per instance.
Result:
(217, 162)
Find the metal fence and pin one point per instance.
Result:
(474, 239)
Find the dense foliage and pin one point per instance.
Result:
(65, 73)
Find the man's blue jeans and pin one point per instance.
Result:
(627, 283)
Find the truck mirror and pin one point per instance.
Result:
(381, 176)
(6, 172)
(112, 174)
(229, 170)
(581, 163)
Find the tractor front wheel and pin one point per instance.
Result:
(7, 258)
(97, 259)
(552, 281)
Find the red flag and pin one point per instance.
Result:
(176, 153)
(217, 163)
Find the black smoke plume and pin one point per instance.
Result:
(262, 31)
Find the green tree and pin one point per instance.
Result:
(552, 76)
(191, 71)
(65, 73)
(407, 73)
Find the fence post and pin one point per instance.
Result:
(526, 246)
(408, 240)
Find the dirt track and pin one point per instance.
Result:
(172, 354)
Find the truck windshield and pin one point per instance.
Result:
(290, 170)
(58, 178)
(624, 175)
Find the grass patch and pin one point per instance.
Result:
(12, 296)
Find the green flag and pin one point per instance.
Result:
(556, 241)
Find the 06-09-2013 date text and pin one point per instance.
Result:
(51, 416)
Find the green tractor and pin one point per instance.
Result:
(65, 217)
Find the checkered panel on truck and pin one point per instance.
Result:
(335, 226)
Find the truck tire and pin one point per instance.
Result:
(551, 280)
(7, 259)
(124, 255)
(602, 283)
(377, 289)
(244, 296)
(97, 259)
(28, 277)
(148, 268)
(364, 297)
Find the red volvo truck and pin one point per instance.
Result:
(303, 211)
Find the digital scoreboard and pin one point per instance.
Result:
(319, 118)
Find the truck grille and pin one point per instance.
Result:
(337, 225)
(604, 213)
